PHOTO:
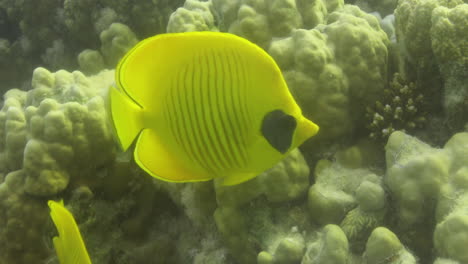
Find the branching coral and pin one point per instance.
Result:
(401, 108)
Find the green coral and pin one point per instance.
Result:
(450, 237)
(451, 231)
(290, 249)
(449, 35)
(360, 48)
(370, 212)
(335, 70)
(383, 246)
(91, 61)
(424, 180)
(401, 108)
(193, 16)
(340, 190)
(55, 140)
(246, 224)
(22, 219)
(260, 21)
(318, 84)
(287, 181)
(383, 7)
(115, 42)
(53, 137)
(432, 40)
(51, 33)
(413, 22)
(415, 175)
(330, 246)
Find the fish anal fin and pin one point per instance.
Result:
(158, 160)
(237, 178)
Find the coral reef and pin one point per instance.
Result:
(430, 35)
(193, 16)
(52, 137)
(333, 68)
(449, 35)
(52, 33)
(383, 7)
(115, 42)
(51, 131)
(342, 198)
(419, 177)
(402, 108)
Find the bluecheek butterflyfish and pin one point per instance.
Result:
(203, 105)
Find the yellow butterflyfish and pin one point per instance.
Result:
(202, 105)
(69, 245)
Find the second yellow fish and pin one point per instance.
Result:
(202, 105)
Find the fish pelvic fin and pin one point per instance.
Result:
(237, 178)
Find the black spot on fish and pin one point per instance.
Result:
(278, 129)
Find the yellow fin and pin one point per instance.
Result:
(126, 117)
(161, 162)
(234, 179)
(69, 245)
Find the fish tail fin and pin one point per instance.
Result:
(305, 130)
(69, 245)
(125, 114)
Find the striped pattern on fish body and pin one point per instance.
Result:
(207, 113)
(196, 102)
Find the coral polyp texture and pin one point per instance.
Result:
(384, 181)
(52, 137)
(432, 36)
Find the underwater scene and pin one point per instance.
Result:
(234, 131)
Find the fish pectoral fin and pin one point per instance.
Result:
(158, 160)
(237, 178)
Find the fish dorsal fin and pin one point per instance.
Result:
(145, 72)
